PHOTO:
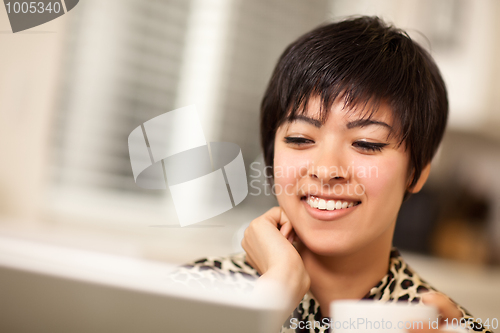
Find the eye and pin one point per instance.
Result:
(369, 146)
(295, 140)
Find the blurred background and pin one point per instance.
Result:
(73, 89)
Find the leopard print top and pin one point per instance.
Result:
(400, 284)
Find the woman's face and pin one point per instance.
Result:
(341, 183)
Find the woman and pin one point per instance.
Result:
(350, 122)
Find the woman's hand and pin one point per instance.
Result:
(446, 308)
(267, 241)
(268, 245)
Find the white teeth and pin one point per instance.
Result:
(313, 202)
(328, 204)
(322, 204)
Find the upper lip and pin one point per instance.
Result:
(330, 197)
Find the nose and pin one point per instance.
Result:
(330, 167)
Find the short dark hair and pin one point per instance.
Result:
(366, 62)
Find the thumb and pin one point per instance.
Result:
(286, 228)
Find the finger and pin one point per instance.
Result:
(286, 229)
(283, 218)
(273, 216)
(446, 308)
(277, 217)
(286, 226)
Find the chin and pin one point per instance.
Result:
(324, 245)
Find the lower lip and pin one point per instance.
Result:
(328, 215)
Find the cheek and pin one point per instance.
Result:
(289, 167)
(384, 178)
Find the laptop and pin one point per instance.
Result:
(49, 288)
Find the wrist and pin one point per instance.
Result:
(294, 279)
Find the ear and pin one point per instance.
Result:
(421, 181)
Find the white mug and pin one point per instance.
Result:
(355, 316)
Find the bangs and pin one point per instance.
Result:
(363, 106)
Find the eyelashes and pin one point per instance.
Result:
(365, 146)
(297, 140)
(369, 146)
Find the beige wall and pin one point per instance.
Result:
(29, 69)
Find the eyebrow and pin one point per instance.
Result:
(350, 125)
(312, 121)
(367, 122)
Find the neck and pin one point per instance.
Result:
(348, 276)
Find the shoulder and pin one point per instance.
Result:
(218, 273)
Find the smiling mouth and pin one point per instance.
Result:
(323, 204)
